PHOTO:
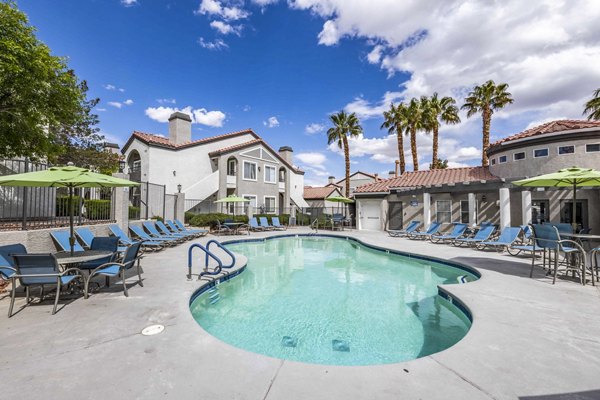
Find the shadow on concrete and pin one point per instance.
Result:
(587, 395)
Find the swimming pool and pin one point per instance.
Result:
(334, 301)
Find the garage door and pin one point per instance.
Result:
(370, 215)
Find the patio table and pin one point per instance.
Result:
(233, 225)
(78, 257)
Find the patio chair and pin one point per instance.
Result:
(118, 269)
(7, 262)
(507, 237)
(433, 229)
(221, 229)
(61, 238)
(547, 237)
(254, 225)
(87, 237)
(126, 241)
(403, 232)
(33, 270)
(102, 243)
(277, 225)
(594, 265)
(176, 229)
(181, 226)
(140, 233)
(264, 223)
(482, 235)
(525, 244)
(165, 231)
(457, 231)
(151, 228)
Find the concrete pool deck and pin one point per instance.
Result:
(529, 339)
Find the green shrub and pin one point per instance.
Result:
(210, 220)
(134, 212)
(62, 205)
(97, 209)
(188, 216)
(157, 218)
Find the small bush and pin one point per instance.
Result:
(157, 218)
(97, 209)
(62, 205)
(210, 220)
(134, 212)
(188, 216)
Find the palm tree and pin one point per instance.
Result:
(592, 107)
(395, 123)
(414, 123)
(486, 99)
(439, 110)
(344, 125)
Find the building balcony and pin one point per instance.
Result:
(282, 186)
(231, 181)
(135, 176)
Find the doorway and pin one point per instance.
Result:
(566, 212)
(395, 215)
(539, 211)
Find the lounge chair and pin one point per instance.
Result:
(176, 229)
(482, 235)
(40, 270)
(7, 263)
(457, 231)
(434, 228)
(61, 238)
(412, 227)
(507, 237)
(525, 244)
(87, 237)
(151, 228)
(126, 241)
(140, 233)
(117, 269)
(165, 231)
(277, 225)
(181, 226)
(264, 223)
(254, 225)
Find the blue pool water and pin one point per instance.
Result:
(333, 301)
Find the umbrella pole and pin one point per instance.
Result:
(574, 222)
(72, 234)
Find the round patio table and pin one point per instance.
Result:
(78, 257)
(233, 225)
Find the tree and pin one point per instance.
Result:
(44, 111)
(592, 107)
(415, 122)
(440, 164)
(344, 125)
(395, 123)
(486, 99)
(439, 110)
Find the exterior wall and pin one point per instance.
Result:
(143, 150)
(360, 213)
(531, 166)
(355, 181)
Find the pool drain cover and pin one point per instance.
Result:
(340, 345)
(289, 341)
(153, 330)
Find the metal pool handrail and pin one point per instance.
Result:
(208, 253)
(219, 245)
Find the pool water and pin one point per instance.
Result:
(333, 301)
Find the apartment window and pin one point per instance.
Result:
(252, 202)
(519, 156)
(537, 153)
(592, 148)
(249, 171)
(231, 167)
(493, 161)
(269, 204)
(270, 174)
(502, 159)
(443, 211)
(566, 150)
(464, 211)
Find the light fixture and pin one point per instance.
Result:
(483, 198)
(121, 165)
(179, 188)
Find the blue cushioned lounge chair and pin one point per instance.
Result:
(126, 241)
(505, 240)
(412, 227)
(61, 238)
(457, 231)
(40, 270)
(165, 231)
(254, 225)
(277, 225)
(151, 229)
(264, 223)
(117, 269)
(140, 233)
(87, 237)
(182, 228)
(482, 235)
(434, 228)
(7, 262)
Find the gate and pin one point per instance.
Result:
(395, 215)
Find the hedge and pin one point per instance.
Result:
(211, 219)
(134, 212)
(94, 209)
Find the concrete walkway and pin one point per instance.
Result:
(529, 338)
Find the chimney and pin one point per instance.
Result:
(376, 176)
(180, 128)
(331, 179)
(397, 167)
(392, 174)
(286, 153)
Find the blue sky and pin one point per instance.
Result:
(281, 67)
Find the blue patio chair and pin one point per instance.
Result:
(561, 227)
(507, 237)
(126, 241)
(182, 228)
(102, 243)
(151, 228)
(41, 270)
(264, 223)
(547, 237)
(482, 235)
(433, 229)
(87, 237)
(457, 231)
(140, 233)
(525, 244)
(61, 238)
(277, 225)
(254, 225)
(412, 227)
(7, 262)
(165, 231)
(117, 269)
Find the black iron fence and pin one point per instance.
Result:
(23, 208)
(150, 200)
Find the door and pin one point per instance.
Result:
(395, 215)
(566, 212)
(370, 215)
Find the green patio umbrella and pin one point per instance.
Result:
(574, 177)
(232, 198)
(69, 177)
(339, 199)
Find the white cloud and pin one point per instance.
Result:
(225, 28)
(312, 158)
(263, 3)
(330, 34)
(199, 115)
(115, 104)
(128, 102)
(272, 122)
(217, 9)
(109, 87)
(246, 108)
(375, 55)
(311, 129)
(366, 110)
(217, 44)
(129, 3)
(314, 165)
(101, 109)
(166, 101)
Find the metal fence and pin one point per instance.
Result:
(150, 200)
(23, 208)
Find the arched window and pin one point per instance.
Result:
(282, 174)
(232, 166)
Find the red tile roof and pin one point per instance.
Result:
(551, 127)
(318, 192)
(162, 141)
(429, 178)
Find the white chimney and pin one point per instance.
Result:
(332, 179)
(180, 128)
(392, 174)
(286, 153)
